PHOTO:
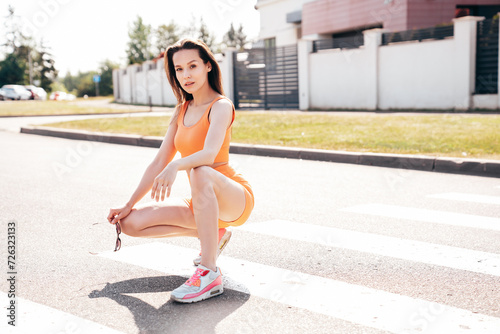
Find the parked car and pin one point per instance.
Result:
(42, 94)
(61, 96)
(57, 96)
(33, 94)
(37, 93)
(2, 94)
(16, 92)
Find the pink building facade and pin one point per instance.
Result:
(336, 16)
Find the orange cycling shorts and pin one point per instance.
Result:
(249, 197)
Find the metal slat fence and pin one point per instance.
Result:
(418, 34)
(266, 78)
(354, 42)
(487, 57)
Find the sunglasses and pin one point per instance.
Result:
(118, 240)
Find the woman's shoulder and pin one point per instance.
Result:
(223, 109)
(223, 103)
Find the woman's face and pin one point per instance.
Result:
(190, 70)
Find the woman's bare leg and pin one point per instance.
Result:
(214, 196)
(171, 218)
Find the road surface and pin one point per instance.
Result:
(329, 248)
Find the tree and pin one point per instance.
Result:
(191, 30)
(11, 70)
(241, 38)
(13, 32)
(205, 35)
(86, 85)
(139, 45)
(57, 86)
(166, 35)
(236, 39)
(83, 83)
(106, 71)
(25, 61)
(44, 67)
(69, 82)
(230, 37)
(200, 32)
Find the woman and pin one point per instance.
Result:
(200, 130)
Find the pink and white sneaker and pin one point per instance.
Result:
(204, 284)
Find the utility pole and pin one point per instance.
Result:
(30, 62)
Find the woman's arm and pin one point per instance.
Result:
(164, 156)
(220, 119)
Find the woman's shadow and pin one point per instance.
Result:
(171, 317)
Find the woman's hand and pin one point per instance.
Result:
(163, 182)
(119, 213)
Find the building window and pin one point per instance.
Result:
(270, 43)
(488, 11)
(460, 12)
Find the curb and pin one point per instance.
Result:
(487, 168)
(86, 114)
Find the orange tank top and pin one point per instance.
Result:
(191, 139)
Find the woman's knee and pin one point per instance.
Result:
(200, 177)
(129, 225)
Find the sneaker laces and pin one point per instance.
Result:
(196, 276)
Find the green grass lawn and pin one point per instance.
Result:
(34, 108)
(456, 135)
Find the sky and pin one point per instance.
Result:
(83, 33)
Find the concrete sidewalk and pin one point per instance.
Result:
(487, 168)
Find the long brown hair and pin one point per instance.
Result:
(214, 76)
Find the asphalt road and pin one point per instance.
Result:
(329, 248)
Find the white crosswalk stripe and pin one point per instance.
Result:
(36, 318)
(468, 198)
(425, 215)
(358, 304)
(452, 257)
